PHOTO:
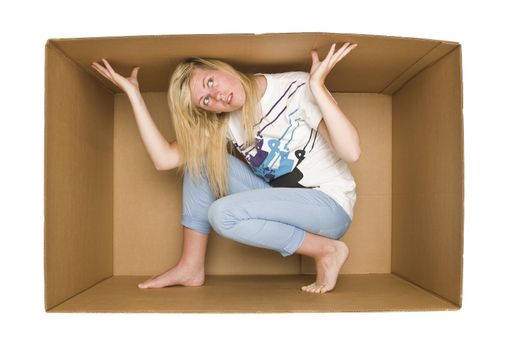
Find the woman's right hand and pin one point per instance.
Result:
(128, 85)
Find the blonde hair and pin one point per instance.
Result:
(201, 134)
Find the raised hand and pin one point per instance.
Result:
(128, 85)
(320, 69)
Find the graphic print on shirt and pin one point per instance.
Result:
(269, 158)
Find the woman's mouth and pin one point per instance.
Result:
(228, 100)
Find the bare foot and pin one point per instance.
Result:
(177, 275)
(328, 267)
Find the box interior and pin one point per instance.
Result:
(112, 219)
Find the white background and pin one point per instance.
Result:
(26, 26)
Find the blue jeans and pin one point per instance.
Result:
(254, 213)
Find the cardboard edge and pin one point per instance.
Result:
(453, 306)
(440, 50)
(270, 312)
(52, 44)
(52, 308)
(119, 37)
(462, 152)
(46, 50)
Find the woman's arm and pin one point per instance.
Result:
(164, 155)
(342, 135)
(336, 127)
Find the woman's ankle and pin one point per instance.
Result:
(190, 264)
(316, 246)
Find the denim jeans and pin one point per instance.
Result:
(254, 213)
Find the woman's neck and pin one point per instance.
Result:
(261, 84)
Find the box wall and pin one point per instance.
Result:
(427, 245)
(146, 201)
(78, 179)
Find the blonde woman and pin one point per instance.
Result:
(294, 195)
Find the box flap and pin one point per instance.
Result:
(372, 67)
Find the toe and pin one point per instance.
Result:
(307, 288)
(147, 283)
(310, 287)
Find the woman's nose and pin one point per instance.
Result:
(218, 95)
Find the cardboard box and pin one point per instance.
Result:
(112, 219)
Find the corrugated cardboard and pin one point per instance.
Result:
(112, 219)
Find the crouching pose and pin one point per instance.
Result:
(295, 194)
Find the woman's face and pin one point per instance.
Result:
(216, 91)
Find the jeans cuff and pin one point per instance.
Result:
(195, 224)
(295, 242)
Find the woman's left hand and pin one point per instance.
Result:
(320, 69)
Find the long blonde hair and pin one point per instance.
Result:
(201, 134)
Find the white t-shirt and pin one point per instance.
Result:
(289, 151)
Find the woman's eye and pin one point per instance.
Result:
(210, 82)
(205, 101)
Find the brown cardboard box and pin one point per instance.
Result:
(112, 219)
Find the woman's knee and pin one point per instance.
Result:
(338, 231)
(221, 217)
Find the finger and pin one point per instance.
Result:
(135, 72)
(108, 66)
(315, 56)
(349, 49)
(339, 56)
(101, 70)
(342, 49)
(330, 53)
(344, 53)
(98, 67)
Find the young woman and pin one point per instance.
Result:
(295, 195)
